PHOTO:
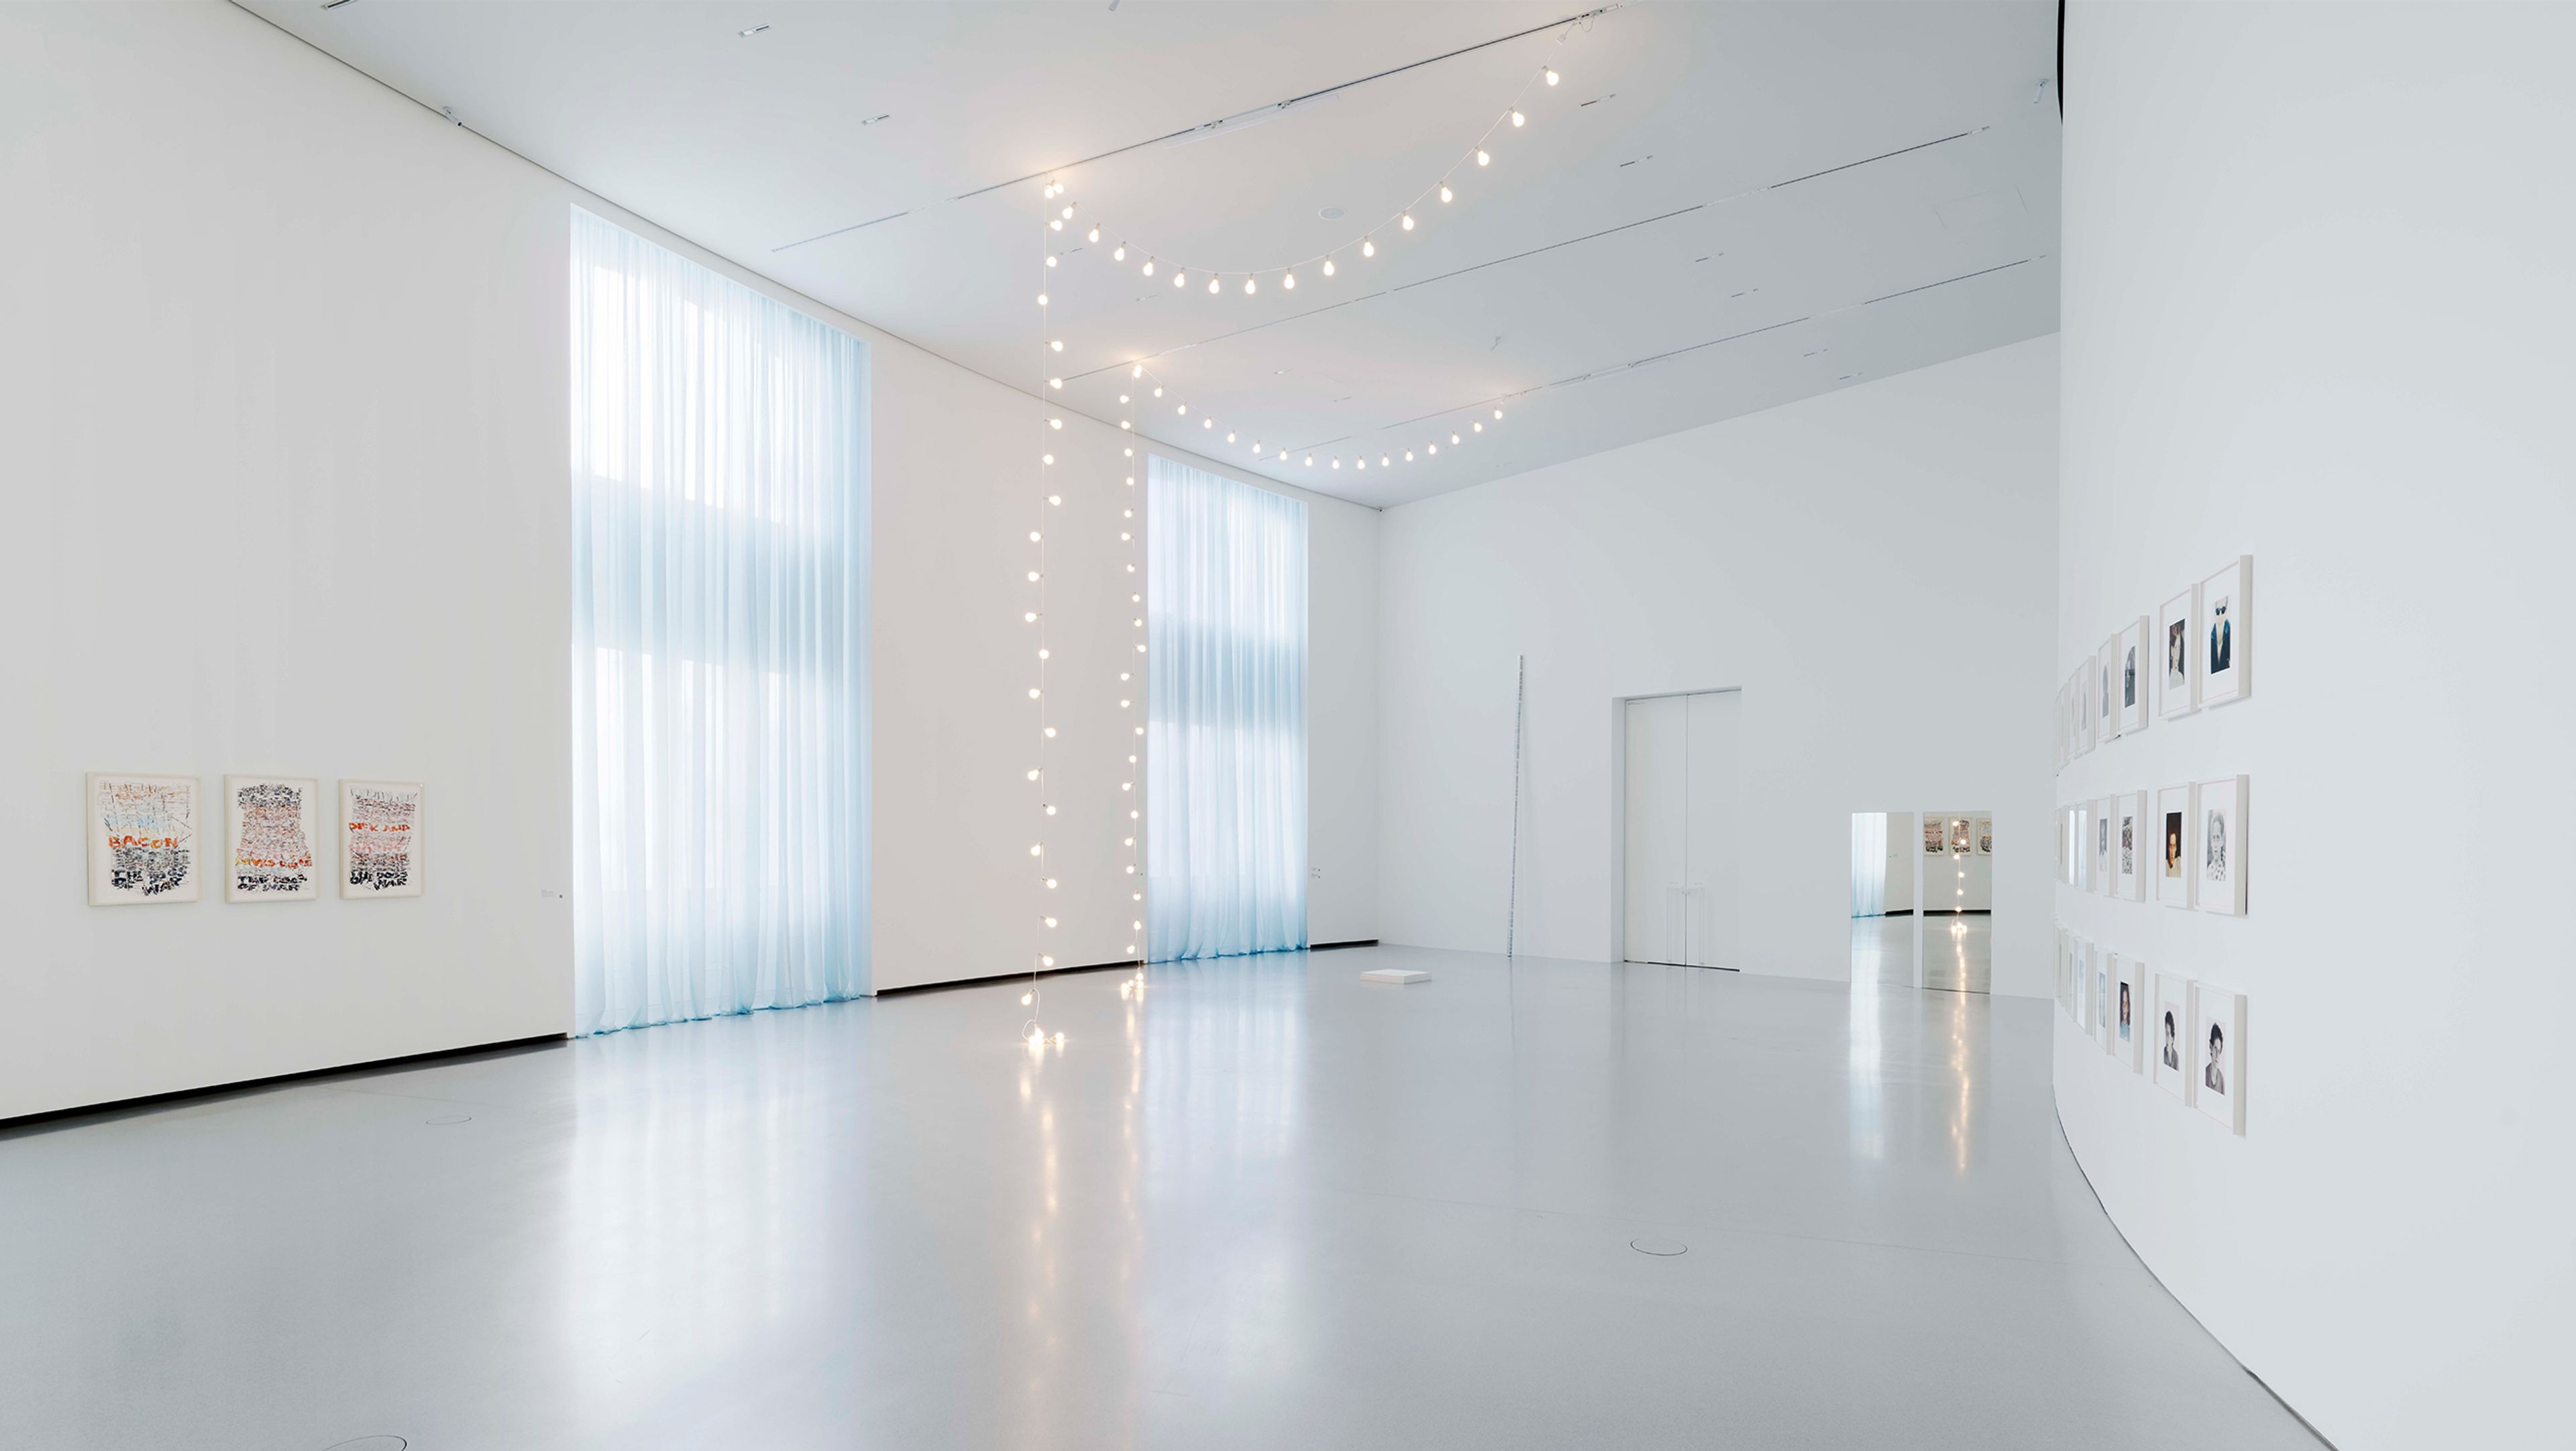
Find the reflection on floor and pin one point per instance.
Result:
(1958, 951)
(1260, 1205)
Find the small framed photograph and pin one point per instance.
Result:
(2129, 846)
(2057, 729)
(2129, 1014)
(2170, 1034)
(2175, 834)
(2218, 884)
(2084, 708)
(2080, 818)
(144, 839)
(2227, 633)
(2132, 678)
(2106, 856)
(272, 832)
(2106, 689)
(380, 838)
(1985, 832)
(2180, 632)
(2102, 999)
(2084, 986)
(2218, 1054)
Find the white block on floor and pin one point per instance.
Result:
(1396, 975)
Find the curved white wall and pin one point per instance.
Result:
(2320, 281)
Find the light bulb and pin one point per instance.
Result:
(1498, 414)
(1480, 428)
(1408, 455)
(1092, 236)
(1050, 921)
(1328, 266)
(1120, 255)
(1042, 299)
(1180, 279)
(1123, 423)
(1047, 458)
(1049, 732)
(1031, 616)
(1068, 212)
(1382, 461)
(1229, 435)
(1050, 259)
(1288, 281)
(1408, 226)
(1519, 119)
(1046, 962)
(1158, 390)
(1056, 343)
(1033, 775)
(1055, 382)
(1484, 158)
(1453, 438)
(1135, 372)
(1256, 448)
(1367, 247)
(1445, 193)
(1337, 461)
(1149, 266)
(1033, 576)
(1122, 398)
(1055, 498)
(1033, 536)
(1363, 465)
(1433, 447)
(1250, 287)
(1055, 423)
(1038, 850)
(1310, 460)
(1207, 423)
(1185, 410)
(1055, 225)
(1212, 284)
(1551, 77)
(1050, 811)
(1050, 884)
(1033, 692)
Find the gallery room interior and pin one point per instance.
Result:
(1121, 723)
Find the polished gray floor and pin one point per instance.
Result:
(1258, 1204)
(1957, 952)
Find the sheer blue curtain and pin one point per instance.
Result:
(1225, 725)
(719, 653)
(1869, 864)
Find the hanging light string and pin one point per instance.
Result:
(1050, 429)
(1476, 157)
(1132, 699)
(1459, 430)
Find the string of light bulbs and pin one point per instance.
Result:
(1462, 425)
(1477, 157)
(1050, 425)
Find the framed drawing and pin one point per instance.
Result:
(2134, 679)
(2135, 1028)
(2218, 884)
(2218, 1054)
(1959, 834)
(143, 844)
(380, 838)
(2106, 690)
(2129, 846)
(1985, 836)
(1934, 844)
(2179, 630)
(2227, 633)
(272, 825)
(2170, 1033)
(2175, 837)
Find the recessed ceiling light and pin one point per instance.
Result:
(1330, 214)
(755, 30)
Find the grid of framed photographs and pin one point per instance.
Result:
(2185, 1036)
(2197, 651)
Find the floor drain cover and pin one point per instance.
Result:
(370, 1443)
(1653, 1246)
(445, 1118)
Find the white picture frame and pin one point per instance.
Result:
(383, 832)
(1982, 830)
(2218, 1054)
(2130, 1018)
(2130, 846)
(2084, 708)
(2106, 690)
(272, 839)
(2169, 1051)
(2102, 999)
(2221, 846)
(145, 838)
(2058, 754)
(2105, 851)
(2083, 965)
(2080, 861)
(2178, 649)
(2131, 672)
(2176, 869)
(2226, 629)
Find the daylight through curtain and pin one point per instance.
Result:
(1869, 864)
(719, 665)
(1226, 718)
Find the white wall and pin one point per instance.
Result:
(2317, 297)
(277, 333)
(1781, 552)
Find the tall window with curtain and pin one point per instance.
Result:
(719, 651)
(1226, 716)
(1869, 864)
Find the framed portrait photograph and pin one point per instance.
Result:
(2134, 678)
(143, 839)
(2130, 1015)
(272, 839)
(2217, 1054)
(2178, 637)
(2227, 633)
(380, 838)
(2168, 1036)
(2218, 883)
(2175, 837)
(2106, 690)
(2132, 852)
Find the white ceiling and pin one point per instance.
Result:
(1659, 258)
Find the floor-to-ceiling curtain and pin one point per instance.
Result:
(1226, 716)
(1869, 863)
(719, 643)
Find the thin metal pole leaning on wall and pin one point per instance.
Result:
(1520, 716)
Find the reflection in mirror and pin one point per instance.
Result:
(1882, 911)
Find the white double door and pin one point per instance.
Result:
(1684, 829)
